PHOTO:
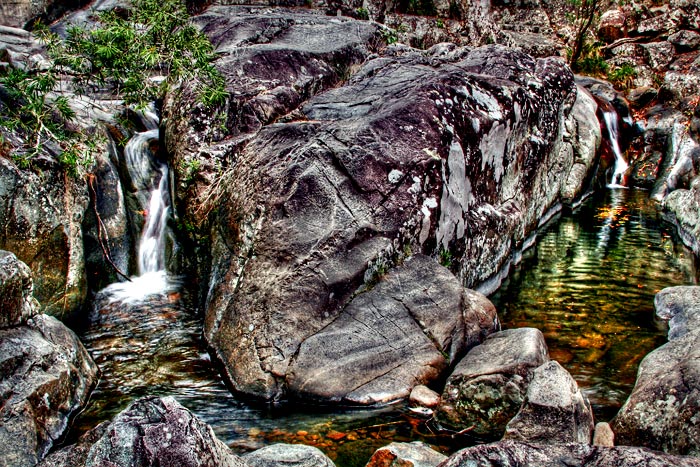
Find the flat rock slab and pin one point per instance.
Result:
(46, 376)
(403, 332)
(489, 385)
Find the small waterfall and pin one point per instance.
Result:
(618, 178)
(151, 180)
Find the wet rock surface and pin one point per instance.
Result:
(47, 376)
(489, 385)
(152, 431)
(506, 453)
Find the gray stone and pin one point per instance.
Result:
(16, 301)
(663, 409)
(682, 207)
(612, 26)
(151, 432)
(423, 396)
(554, 410)
(658, 54)
(21, 13)
(288, 455)
(580, 143)
(415, 454)
(681, 306)
(685, 40)
(46, 377)
(516, 453)
(641, 96)
(488, 386)
(603, 435)
(403, 332)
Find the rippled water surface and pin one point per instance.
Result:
(589, 285)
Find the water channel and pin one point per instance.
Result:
(588, 284)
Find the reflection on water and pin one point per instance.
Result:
(589, 285)
(155, 347)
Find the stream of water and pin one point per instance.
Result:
(588, 284)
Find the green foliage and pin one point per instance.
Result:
(390, 36)
(126, 54)
(137, 57)
(622, 76)
(440, 23)
(445, 257)
(421, 7)
(590, 61)
(581, 15)
(362, 13)
(34, 111)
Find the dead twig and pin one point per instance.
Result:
(101, 229)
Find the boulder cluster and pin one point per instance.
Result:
(343, 217)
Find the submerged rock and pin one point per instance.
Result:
(415, 454)
(554, 410)
(151, 432)
(489, 385)
(516, 453)
(47, 376)
(288, 455)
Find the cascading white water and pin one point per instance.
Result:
(617, 180)
(150, 178)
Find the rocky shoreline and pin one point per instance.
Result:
(346, 201)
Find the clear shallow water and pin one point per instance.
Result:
(589, 286)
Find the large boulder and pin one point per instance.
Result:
(46, 377)
(151, 432)
(518, 453)
(41, 213)
(554, 410)
(288, 455)
(489, 385)
(662, 410)
(453, 153)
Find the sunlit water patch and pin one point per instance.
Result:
(589, 285)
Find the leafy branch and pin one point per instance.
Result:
(136, 57)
